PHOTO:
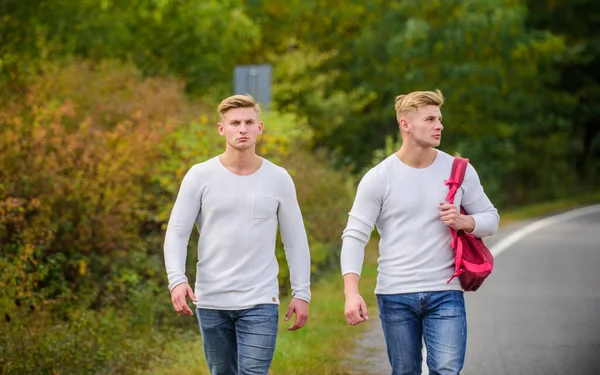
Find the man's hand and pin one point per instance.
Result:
(300, 308)
(178, 298)
(452, 218)
(355, 309)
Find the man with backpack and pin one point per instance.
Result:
(405, 196)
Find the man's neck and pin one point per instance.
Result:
(242, 163)
(416, 157)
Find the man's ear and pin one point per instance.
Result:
(221, 130)
(260, 127)
(403, 124)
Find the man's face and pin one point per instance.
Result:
(424, 126)
(240, 127)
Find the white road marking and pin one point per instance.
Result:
(512, 238)
(517, 235)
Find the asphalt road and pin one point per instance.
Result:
(538, 313)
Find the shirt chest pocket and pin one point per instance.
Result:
(442, 192)
(264, 207)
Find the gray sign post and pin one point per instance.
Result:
(254, 80)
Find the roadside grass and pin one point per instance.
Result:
(327, 339)
(547, 208)
(318, 348)
(182, 356)
(326, 343)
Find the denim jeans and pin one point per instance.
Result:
(438, 318)
(239, 342)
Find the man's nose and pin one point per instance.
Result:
(243, 129)
(439, 125)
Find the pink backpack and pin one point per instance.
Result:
(473, 261)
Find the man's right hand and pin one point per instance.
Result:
(355, 309)
(178, 298)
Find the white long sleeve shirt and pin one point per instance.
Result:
(237, 218)
(404, 203)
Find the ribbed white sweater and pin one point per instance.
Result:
(237, 218)
(404, 204)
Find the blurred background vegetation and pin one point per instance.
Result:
(104, 105)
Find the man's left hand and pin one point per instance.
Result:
(300, 308)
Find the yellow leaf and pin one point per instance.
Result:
(82, 267)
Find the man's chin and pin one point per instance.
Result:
(242, 146)
(429, 144)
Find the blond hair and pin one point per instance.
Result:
(238, 101)
(412, 101)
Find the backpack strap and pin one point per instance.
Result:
(457, 176)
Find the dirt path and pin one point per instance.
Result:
(370, 356)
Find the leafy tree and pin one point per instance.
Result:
(492, 69)
(199, 41)
(578, 75)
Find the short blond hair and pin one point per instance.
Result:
(238, 101)
(412, 101)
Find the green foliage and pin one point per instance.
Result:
(479, 54)
(54, 337)
(325, 198)
(96, 134)
(577, 78)
(78, 177)
(303, 89)
(494, 70)
(88, 182)
(392, 144)
(187, 39)
(515, 72)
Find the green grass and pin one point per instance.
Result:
(183, 356)
(326, 340)
(540, 209)
(320, 347)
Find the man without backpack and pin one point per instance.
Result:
(404, 196)
(237, 200)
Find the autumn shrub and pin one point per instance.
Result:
(79, 187)
(91, 159)
(36, 339)
(79, 223)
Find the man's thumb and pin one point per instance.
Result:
(191, 294)
(288, 315)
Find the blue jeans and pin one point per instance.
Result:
(239, 342)
(438, 318)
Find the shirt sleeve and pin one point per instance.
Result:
(183, 216)
(361, 221)
(477, 204)
(295, 241)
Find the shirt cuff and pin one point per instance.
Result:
(176, 282)
(304, 296)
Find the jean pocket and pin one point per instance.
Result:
(263, 206)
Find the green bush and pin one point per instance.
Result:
(51, 337)
(91, 159)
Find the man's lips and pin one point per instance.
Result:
(242, 139)
(437, 136)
